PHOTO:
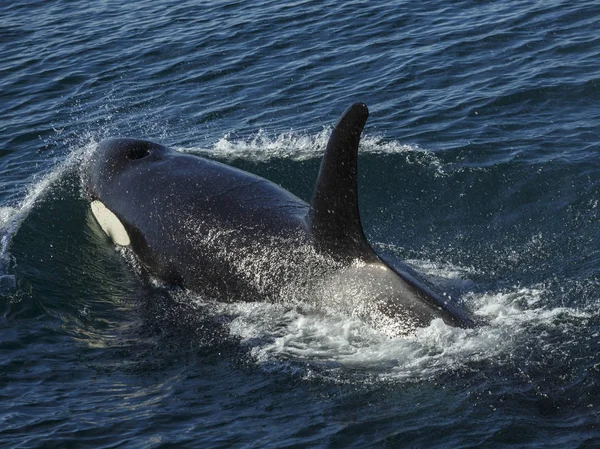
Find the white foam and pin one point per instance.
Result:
(261, 147)
(280, 334)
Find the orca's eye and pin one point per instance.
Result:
(138, 152)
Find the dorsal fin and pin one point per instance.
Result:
(335, 220)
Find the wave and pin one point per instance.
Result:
(12, 216)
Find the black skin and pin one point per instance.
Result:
(221, 231)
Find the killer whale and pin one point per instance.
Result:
(234, 236)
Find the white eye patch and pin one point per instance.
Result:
(110, 223)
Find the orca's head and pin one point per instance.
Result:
(113, 157)
(108, 176)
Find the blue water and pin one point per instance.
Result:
(479, 166)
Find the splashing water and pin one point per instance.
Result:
(11, 217)
(307, 338)
(295, 147)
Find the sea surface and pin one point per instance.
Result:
(479, 166)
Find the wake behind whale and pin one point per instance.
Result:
(234, 236)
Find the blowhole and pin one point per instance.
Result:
(138, 152)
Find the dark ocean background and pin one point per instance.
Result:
(479, 166)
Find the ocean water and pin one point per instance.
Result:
(479, 166)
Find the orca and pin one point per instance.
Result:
(234, 236)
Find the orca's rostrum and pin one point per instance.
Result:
(235, 236)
